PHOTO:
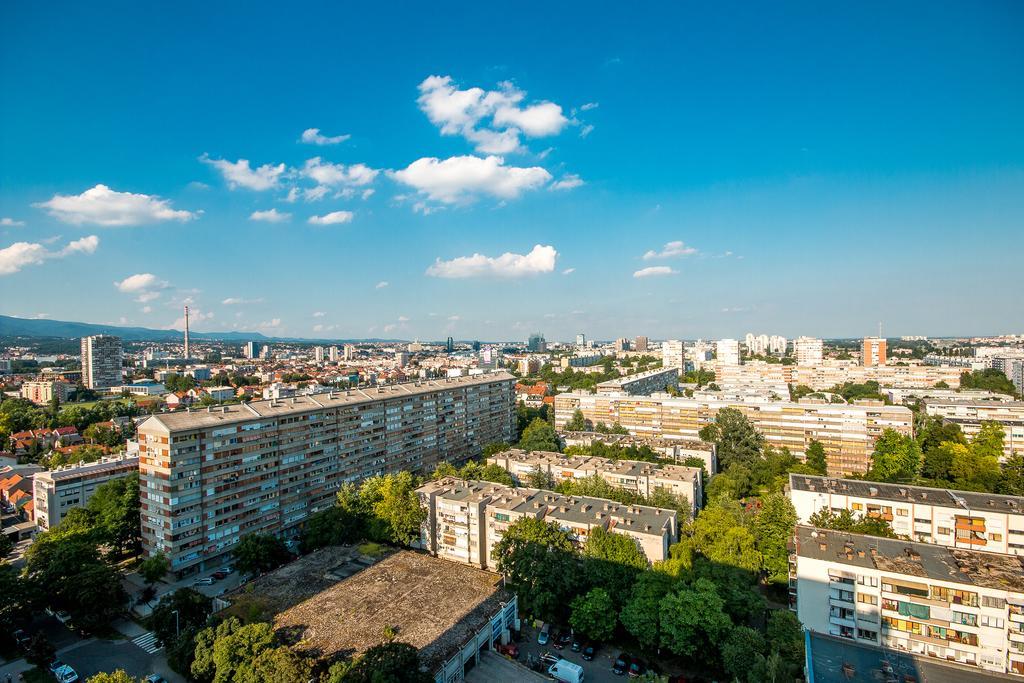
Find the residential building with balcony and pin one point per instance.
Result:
(44, 391)
(209, 477)
(956, 519)
(847, 431)
(641, 383)
(964, 607)
(55, 492)
(101, 361)
(642, 478)
(466, 519)
(971, 414)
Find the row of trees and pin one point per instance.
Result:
(17, 415)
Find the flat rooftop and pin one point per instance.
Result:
(634, 468)
(255, 410)
(433, 604)
(923, 560)
(638, 377)
(968, 501)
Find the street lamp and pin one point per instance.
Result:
(177, 629)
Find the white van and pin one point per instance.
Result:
(566, 671)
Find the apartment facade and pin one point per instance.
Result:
(965, 607)
(101, 361)
(846, 431)
(41, 392)
(209, 477)
(872, 351)
(642, 382)
(727, 352)
(466, 519)
(673, 355)
(643, 478)
(57, 491)
(808, 350)
(971, 414)
(957, 519)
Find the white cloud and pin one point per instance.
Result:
(239, 301)
(403, 319)
(332, 218)
(589, 105)
(459, 179)
(313, 136)
(541, 259)
(11, 223)
(270, 216)
(145, 286)
(490, 119)
(147, 309)
(318, 314)
(586, 130)
(670, 250)
(568, 271)
(196, 318)
(338, 175)
(654, 271)
(318, 328)
(382, 284)
(390, 327)
(241, 174)
(102, 206)
(271, 324)
(454, 318)
(22, 254)
(567, 182)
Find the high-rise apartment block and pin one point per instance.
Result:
(101, 361)
(350, 352)
(808, 351)
(318, 354)
(727, 352)
(332, 354)
(251, 350)
(640, 344)
(872, 351)
(581, 339)
(621, 344)
(536, 343)
(673, 355)
(847, 431)
(209, 477)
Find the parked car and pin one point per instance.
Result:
(226, 569)
(56, 665)
(219, 575)
(20, 637)
(577, 644)
(65, 674)
(509, 650)
(589, 651)
(545, 634)
(637, 668)
(205, 581)
(565, 638)
(621, 664)
(154, 678)
(63, 617)
(556, 640)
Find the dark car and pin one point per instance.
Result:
(637, 669)
(621, 664)
(577, 644)
(556, 640)
(588, 652)
(21, 638)
(565, 637)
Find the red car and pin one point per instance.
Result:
(511, 650)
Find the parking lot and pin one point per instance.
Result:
(597, 671)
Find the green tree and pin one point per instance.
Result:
(278, 664)
(15, 606)
(578, 423)
(989, 379)
(40, 650)
(773, 526)
(225, 654)
(736, 439)
(722, 534)
(154, 568)
(815, 457)
(539, 560)
(393, 500)
(732, 485)
(897, 457)
(786, 640)
(640, 615)
(741, 651)
(692, 619)
(539, 479)
(116, 506)
(1011, 476)
(6, 545)
(593, 615)
(345, 522)
(612, 561)
(179, 612)
(495, 448)
(844, 520)
(116, 676)
(393, 662)
(259, 553)
(539, 435)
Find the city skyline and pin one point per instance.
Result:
(636, 178)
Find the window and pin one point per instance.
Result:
(857, 506)
(865, 634)
(992, 622)
(901, 512)
(867, 599)
(989, 601)
(943, 531)
(964, 618)
(995, 537)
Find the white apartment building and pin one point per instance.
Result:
(808, 351)
(318, 354)
(777, 344)
(466, 519)
(847, 431)
(673, 355)
(332, 354)
(727, 352)
(957, 519)
(970, 415)
(964, 607)
(101, 361)
(643, 478)
(57, 491)
(641, 382)
(250, 349)
(41, 392)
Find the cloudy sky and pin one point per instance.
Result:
(407, 172)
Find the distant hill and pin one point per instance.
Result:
(34, 327)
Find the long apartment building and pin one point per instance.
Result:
(209, 477)
(846, 431)
(956, 519)
(970, 414)
(466, 519)
(964, 607)
(675, 449)
(641, 382)
(643, 478)
(57, 491)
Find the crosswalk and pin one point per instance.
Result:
(148, 642)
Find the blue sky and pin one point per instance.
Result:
(804, 169)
